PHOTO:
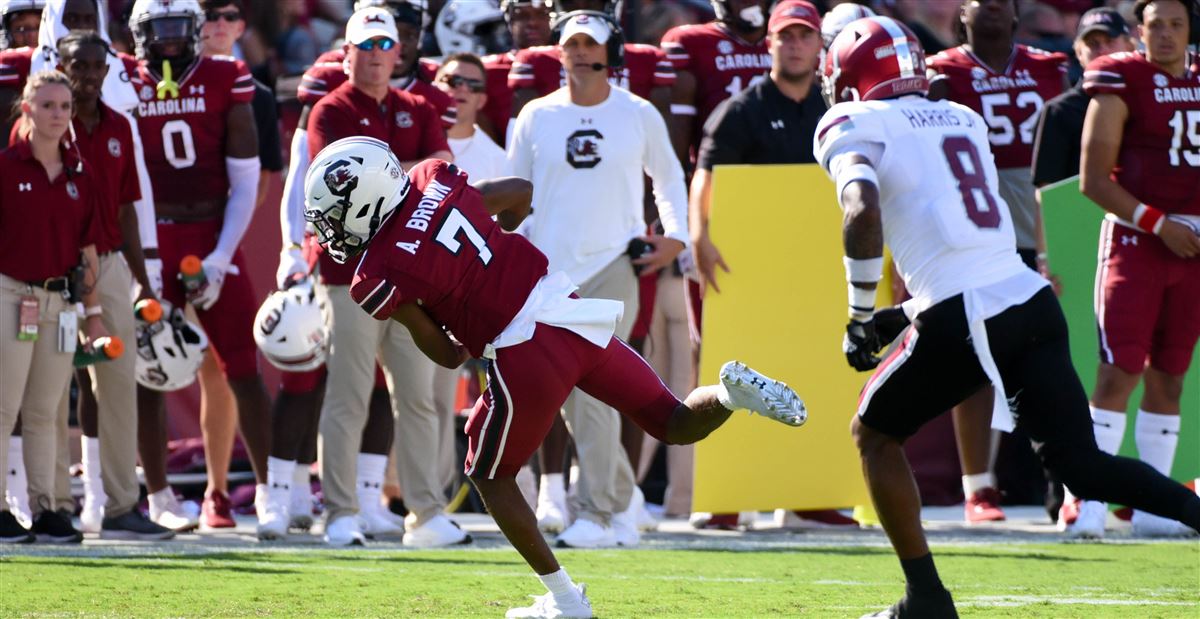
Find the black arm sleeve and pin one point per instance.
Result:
(266, 117)
(1053, 147)
(726, 137)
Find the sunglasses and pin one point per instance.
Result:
(454, 81)
(370, 44)
(231, 17)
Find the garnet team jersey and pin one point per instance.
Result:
(1159, 162)
(944, 240)
(499, 96)
(183, 134)
(441, 249)
(14, 66)
(723, 63)
(329, 72)
(540, 68)
(108, 149)
(1010, 101)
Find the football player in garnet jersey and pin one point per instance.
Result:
(202, 152)
(979, 315)
(1007, 84)
(433, 260)
(1140, 162)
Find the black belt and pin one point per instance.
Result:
(51, 284)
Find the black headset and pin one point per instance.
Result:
(616, 39)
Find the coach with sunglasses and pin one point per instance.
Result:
(367, 105)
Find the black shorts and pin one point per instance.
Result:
(934, 367)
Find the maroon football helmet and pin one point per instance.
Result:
(874, 58)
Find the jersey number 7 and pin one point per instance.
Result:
(456, 223)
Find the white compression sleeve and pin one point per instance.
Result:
(291, 205)
(239, 209)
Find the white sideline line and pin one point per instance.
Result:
(1012, 601)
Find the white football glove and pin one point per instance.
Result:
(291, 262)
(215, 268)
(154, 268)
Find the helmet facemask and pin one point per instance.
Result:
(160, 33)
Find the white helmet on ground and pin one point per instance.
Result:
(351, 187)
(170, 351)
(472, 26)
(292, 328)
(839, 17)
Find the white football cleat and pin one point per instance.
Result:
(91, 516)
(166, 511)
(376, 524)
(344, 531)
(624, 528)
(584, 533)
(547, 607)
(768, 397)
(642, 517)
(1146, 524)
(1089, 524)
(273, 514)
(436, 532)
(300, 499)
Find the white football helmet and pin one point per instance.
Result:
(292, 328)
(8, 7)
(472, 26)
(170, 351)
(839, 17)
(351, 187)
(407, 11)
(154, 21)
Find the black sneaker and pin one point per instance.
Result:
(933, 606)
(133, 525)
(11, 531)
(53, 527)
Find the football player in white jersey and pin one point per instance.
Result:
(918, 175)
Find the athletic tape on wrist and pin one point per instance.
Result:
(864, 271)
(1148, 218)
(854, 172)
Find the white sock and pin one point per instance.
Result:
(17, 487)
(280, 473)
(1157, 436)
(550, 489)
(979, 481)
(1109, 427)
(371, 469)
(560, 585)
(92, 484)
(724, 399)
(160, 501)
(302, 481)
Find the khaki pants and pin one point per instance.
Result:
(357, 340)
(445, 392)
(605, 476)
(33, 377)
(669, 352)
(115, 389)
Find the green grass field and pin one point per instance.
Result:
(988, 580)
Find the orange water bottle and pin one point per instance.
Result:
(148, 311)
(191, 274)
(103, 349)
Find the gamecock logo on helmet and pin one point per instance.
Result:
(339, 179)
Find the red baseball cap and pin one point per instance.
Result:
(792, 12)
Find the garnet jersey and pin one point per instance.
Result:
(14, 66)
(1010, 101)
(723, 63)
(939, 192)
(499, 96)
(1159, 162)
(540, 68)
(329, 72)
(441, 249)
(184, 135)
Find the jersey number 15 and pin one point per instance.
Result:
(1181, 123)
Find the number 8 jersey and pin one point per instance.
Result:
(184, 133)
(943, 218)
(1159, 162)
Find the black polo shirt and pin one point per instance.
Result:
(760, 125)
(1059, 132)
